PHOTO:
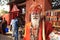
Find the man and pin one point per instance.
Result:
(16, 29)
(34, 27)
(14, 24)
(4, 25)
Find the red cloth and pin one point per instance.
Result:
(40, 32)
(48, 29)
(27, 32)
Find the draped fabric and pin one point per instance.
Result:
(14, 11)
(14, 14)
(27, 32)
(48, 30)
(40, 32)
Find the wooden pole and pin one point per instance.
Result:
(43, 30)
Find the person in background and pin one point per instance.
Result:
(21, 23)
(1, 25)
(16, 29)
(4, 25)
(14, 24)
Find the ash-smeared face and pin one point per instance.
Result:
(35, 18)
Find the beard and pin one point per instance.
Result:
(35, 20)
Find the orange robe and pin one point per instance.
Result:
(48, 29)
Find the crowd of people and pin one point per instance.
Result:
(15, 24)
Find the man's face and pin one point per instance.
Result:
(35, 18)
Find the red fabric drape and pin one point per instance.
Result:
(27, 31)
(14, 11)
(48, 29)
(40, 32)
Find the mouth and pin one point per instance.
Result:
(35, 18)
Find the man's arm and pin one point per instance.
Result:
(11, 25)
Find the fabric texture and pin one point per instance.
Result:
(48, 30)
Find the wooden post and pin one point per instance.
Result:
(43, 30)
